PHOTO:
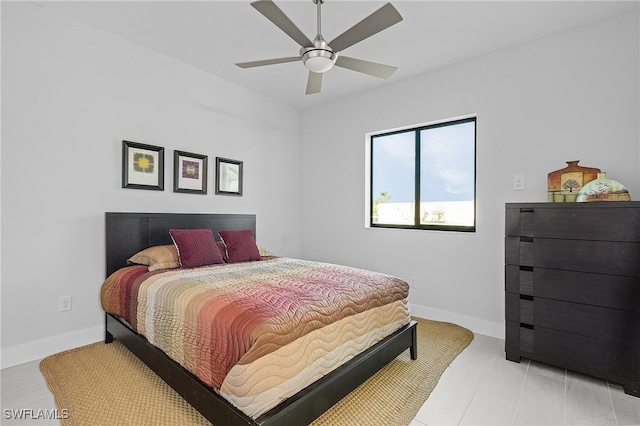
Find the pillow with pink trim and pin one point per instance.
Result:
(223, 250)
(196, 247)
(241, 246)
(157, 257)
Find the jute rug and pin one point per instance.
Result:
(102, 384)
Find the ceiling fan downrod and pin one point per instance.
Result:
(320, 58)
(319, 14)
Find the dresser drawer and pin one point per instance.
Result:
(611, 325)
(519, 251)
(604, 257)
(581, 221)
(519, 279)
(519, 308)
(519, 339)
(588, 355)
(607, 324)
(611, 291)
(519, 222)
(600, 223)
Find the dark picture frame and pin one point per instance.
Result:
(142, 166)
(189, 172)
(228, 176)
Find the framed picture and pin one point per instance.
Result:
(228, 176)
(142, 166)
(189, 172)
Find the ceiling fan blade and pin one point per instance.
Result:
(366, 67)
(277, 16)
(382, 18)
(314, 83)
(267, 62)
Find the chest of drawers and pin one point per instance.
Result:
(572, 287)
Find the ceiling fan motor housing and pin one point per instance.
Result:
(320, 58)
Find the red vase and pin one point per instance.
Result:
(565, 184)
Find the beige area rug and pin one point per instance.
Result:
(105, 384)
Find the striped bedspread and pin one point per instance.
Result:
(258, 332)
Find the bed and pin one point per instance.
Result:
(226, 397)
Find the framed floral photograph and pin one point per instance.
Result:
(189, 172)
(228, 176)
(142, 166)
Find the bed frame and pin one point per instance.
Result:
(128, 233)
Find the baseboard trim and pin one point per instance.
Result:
(39, 349)
(476, 325)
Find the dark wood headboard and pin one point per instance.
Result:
(128, 233)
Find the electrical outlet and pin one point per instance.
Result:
(64, 303)
(518, 183)
(412, 282)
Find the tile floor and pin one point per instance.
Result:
(480, 387)
(23, 388)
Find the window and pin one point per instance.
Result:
(423, 177)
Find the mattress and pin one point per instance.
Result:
(258, 332)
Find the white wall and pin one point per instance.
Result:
(572, 96)
(70, 95)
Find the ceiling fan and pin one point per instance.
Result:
(318, 55)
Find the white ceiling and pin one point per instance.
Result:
(213, 35)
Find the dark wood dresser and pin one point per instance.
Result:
(572, 287)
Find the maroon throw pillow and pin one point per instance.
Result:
(241, 246)
(196, 247)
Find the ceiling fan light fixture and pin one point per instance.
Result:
(317, 56)
(319, 60)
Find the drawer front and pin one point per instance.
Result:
(603, 224)
(588, 355)
(526, 340)
(615, 362)
(512, 222)
(605, 257)
(512, 307)
(512, 338)
(519, 308)
(519, 279)
(611, 325)
(512, 250)
(519, 222)
(519, 339)
(526, 311)
(611, 291)
(519, 251)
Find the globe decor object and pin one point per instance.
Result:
(603, 189)
(565, 184)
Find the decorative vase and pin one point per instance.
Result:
(603, 189)
(565, 184)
